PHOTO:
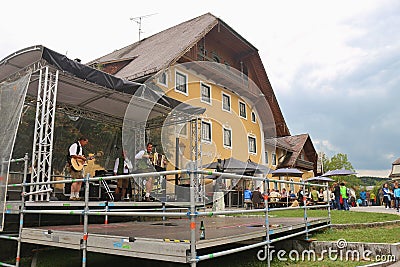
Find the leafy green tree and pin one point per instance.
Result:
(341, 161)
(338, 161)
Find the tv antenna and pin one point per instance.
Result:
(138, 20)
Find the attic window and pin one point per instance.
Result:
(215, 57)
(202, 53)
(244, 70)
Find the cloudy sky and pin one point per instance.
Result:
(334, 65)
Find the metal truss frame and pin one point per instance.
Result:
(195, 154)
(44, 132)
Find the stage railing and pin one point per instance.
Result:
(193, 214)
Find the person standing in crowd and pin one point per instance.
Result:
(372, 197)
(396, 195)
(363, 197)
(343, 193)
(122, 166)
(75, 153)
(143, 162)
(336, 192)
(314, 195)
(386, 195)
(380, 196)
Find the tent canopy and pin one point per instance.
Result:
(88, 90)
(320, 179)
(338, 172)
(287, 171)
(237, 166)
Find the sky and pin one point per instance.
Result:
(334, 65)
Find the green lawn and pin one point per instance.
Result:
(383, 234)
(338, 216)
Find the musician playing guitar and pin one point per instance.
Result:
(75, 153)
(143, 163)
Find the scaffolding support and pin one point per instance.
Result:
(42, 152)
(192, 216)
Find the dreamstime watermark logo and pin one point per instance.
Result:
(338, 253)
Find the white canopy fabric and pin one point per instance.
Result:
(88, 90)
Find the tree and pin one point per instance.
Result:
(340, 161)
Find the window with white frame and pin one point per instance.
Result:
(273, 159)
(253, 116)
(181, 83)
(206, 131)
(227, 137)
(242, 110)
(252, 144)
(163, 79)
(205, 93)
(226, 102)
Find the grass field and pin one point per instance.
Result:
(338, 216)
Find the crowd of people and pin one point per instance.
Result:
(312, 197)
(339, 196)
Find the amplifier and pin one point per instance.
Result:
(94, 190)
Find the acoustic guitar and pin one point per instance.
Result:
(78, 164)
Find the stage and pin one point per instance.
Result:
(167, 240)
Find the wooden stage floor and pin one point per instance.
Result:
(165, 240)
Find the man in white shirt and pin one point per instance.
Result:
(143, 162)
(75, 153)
(122, 166)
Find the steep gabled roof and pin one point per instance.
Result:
(158, 51)
(295, 145)
(161, 50)
(395, 172)
(279, 143)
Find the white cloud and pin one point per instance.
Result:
(332, 64)
(326, 147)
(374, 173)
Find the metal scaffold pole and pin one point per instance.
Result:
(305, 210)
(266, 182)
(85, 222)
(193, 227)
(21, 215)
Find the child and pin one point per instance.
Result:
(396, 194)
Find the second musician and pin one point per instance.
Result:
(144, 158)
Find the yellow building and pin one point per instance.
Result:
(205, 63)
